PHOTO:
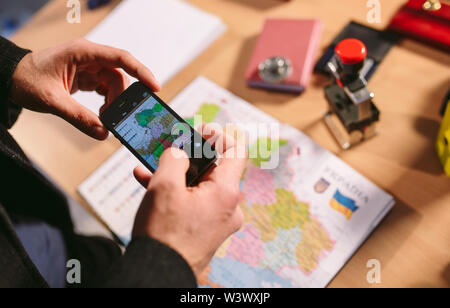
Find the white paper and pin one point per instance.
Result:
(165, 35)
(114, 194)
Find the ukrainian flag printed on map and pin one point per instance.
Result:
(343, 204)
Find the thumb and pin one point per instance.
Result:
(82, 118)
(173, 165)
(143, 176)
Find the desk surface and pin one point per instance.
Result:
(413, 242)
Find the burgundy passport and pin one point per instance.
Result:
(294, 39)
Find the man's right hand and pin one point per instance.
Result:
(194, 221)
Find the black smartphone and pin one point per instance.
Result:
(147, 127)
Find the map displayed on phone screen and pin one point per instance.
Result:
(151, 129)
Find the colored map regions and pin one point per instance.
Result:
(283, 174)
(146, 116)
(157, 146)
(160, 124)
(279, 232)
(207, 112)
(249, 236)
(262, 150)
(235, 274)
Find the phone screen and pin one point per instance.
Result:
(147, 127)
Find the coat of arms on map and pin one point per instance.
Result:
(321, 186)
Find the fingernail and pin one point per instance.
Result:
(101, 132)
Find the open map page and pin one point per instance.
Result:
(305, 215)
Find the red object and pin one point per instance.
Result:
(428, 26)
(351, 51)
(294, 39)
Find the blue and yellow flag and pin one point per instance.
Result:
(343, 204)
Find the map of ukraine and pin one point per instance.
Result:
(279, 233)
(159, 123)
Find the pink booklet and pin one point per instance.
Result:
(294, 42)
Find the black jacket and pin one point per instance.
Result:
(26, 193)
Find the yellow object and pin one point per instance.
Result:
(443, 143)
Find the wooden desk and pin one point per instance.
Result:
(413, 243)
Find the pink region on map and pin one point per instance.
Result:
(258, 186)
(246, 246)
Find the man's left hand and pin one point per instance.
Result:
(44, 81)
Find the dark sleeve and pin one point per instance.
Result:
(148, 263)
(10, 56)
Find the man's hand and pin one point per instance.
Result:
(194, 221)
(44, 81)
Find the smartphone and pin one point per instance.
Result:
(147, 127)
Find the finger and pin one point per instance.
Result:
(213, 133)
(233, 162)
(102, 90)
(173, 165)
(115, 82)
(143, 176)
(223, 141)
(237, 220)
(87, 81)
(81, 117)
(108, 82)
(234, 154)
(118, 58)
